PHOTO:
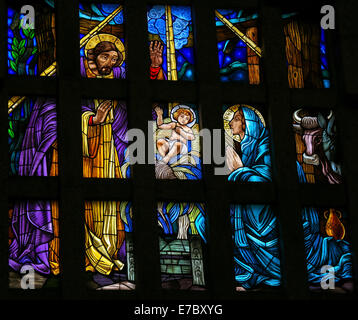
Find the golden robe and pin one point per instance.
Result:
(104, 229)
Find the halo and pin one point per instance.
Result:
(229, 114)
(183, 106)
(105, 37)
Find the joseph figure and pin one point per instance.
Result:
(104, 127)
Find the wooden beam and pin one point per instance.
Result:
(87, 25)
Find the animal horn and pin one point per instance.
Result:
(296, 116)
(330, 115)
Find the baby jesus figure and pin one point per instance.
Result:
(181, 132)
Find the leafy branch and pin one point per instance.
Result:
(19, 47)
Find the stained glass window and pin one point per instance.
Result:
(32, 49)
(104, 141)
(306, 52)
(256, 247)
(34, 244)
(239, 51)
(328, 255)
(318, 158)
(182, 242)
(109, 245)
(247, 144)
(102, 41)
(171, 42)
(32, 136)
(177, 143)
(38, 254)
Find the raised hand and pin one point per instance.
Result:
(102, 112)
(156, 53)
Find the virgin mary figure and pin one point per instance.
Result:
(256, 251)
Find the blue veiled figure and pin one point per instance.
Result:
(255, 234)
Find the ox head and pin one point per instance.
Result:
(318, 135)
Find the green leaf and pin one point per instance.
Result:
(22, 51)
(14, 48)
(34, 51)
(22, 43)
(14, 54)
(26, 32)
(170, 205)
(13, 65)
(10, 124)
(15, 42)
(11, 133)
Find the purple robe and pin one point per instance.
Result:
(31, 220)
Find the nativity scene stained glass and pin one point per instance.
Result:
(171, 42)
(32, 48)
(317, 151)
(328, 255)
(239, 52)
(182, 245)
(247, 144)
(256, 247)
(104, 140)
(109, 245)
(306, 52)
(34, 245)
(102, 51)
(176, 141)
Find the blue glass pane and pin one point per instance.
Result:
(237, 61)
